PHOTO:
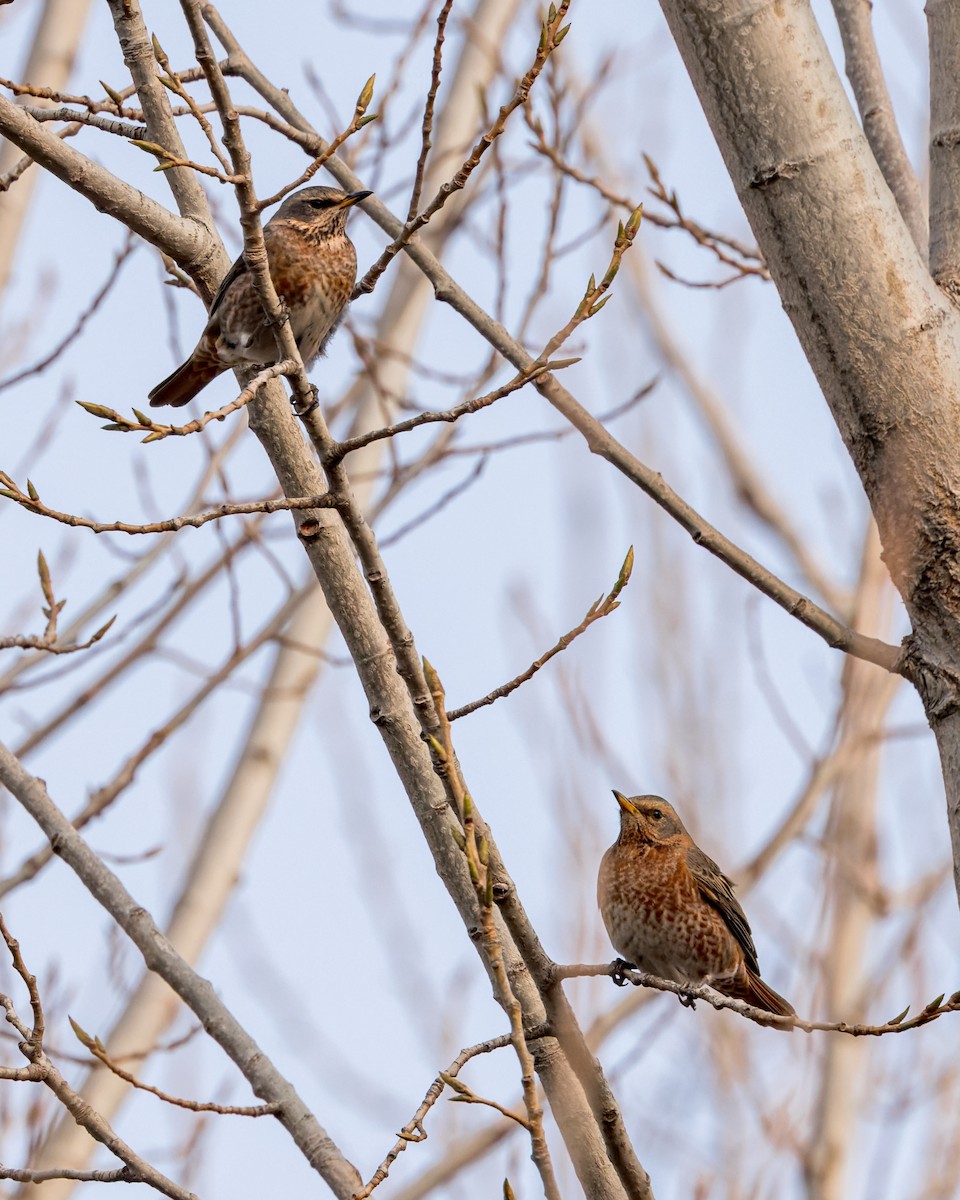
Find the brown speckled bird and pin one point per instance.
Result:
(313, 266)
(670, 910)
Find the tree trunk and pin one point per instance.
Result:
(882, 339)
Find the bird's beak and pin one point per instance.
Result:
(354, 198)
(625, 803)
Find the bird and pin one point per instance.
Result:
(313, 265)
(671, 912)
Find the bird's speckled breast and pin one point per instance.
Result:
(656, 918)
(314, 277)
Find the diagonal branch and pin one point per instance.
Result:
(833, 631)
(865, 72)
(195, 991)
(599, 609)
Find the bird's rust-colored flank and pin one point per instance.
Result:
(313, 266)
(671, 911)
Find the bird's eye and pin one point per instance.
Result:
(656, 814)
(319, 203)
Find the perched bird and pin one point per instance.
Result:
(313, 266)
(670, 910)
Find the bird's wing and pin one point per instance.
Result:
(235, 272)
(717, 890)
(270, 232)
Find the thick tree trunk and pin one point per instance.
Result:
(882, 339)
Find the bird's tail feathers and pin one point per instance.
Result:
(754, 991)
(180, 387)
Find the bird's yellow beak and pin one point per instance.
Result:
(354, 198)
(625, 803)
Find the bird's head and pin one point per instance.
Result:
(648, 819)
(324, 209)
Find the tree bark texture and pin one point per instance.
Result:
(881, 337)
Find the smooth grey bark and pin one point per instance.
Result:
(882, 339)
(854, 17)
(943, 22)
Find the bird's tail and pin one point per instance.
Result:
(753, 990)
(185, 382)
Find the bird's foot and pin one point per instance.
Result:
(687, 1000)
(311, 404)
(620, 965)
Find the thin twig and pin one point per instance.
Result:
(32, 503)
(414, 1131)
(174, 83)
(155, 431)
(104, 796)
(341, 449)
(92, 120)
(426, 127)
(477, 851)
(42, 1070)
(709, 239)
(552, 33)
(899, 1024)
(48, 641)
(129, 245)
(359, 119)
(599, 609)
(99, 1052)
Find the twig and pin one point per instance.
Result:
(426, 127)
(414, 1131)
(599, 609)
(357, 121)
(42, 1070)
(121, 1175)
(750, 487)
(34, 1035)
(82, 117)
(710, 240)
(437, 505)
(196, 992)
(552, 33)
(31, 501)
(174, 83)
(466, 1095)
(340, 449)
(120, 258)
(169, 160)
(156, 431)
(702, 237)
(595, 297)
(106, 795)
(22, 641)
(899, 1024)
(47, 642)
(46, 93)
(477, 851)
(99, 1051)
